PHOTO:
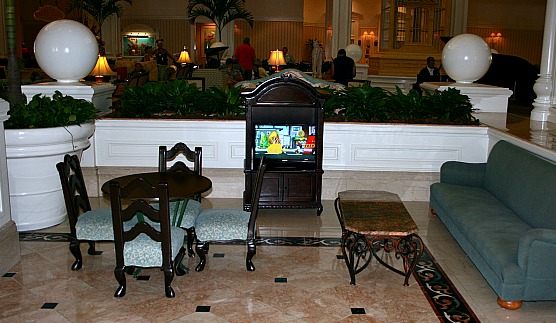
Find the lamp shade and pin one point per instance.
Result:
(101, 68)
(276, 58)
(184, 57)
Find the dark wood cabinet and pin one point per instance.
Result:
(284, 122)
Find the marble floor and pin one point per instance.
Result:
(290, 284)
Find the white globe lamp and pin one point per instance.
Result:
(466, 58)
(66, 50)
(354, 51)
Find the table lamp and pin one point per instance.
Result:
(101, 69)
(184, 57)
(277, 59)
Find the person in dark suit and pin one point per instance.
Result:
(429, 73)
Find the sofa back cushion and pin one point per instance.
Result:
(524, 182)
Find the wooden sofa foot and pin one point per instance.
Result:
(509, 305)
(433, 212)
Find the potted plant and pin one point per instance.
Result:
(38, 134)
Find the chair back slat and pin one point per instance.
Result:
(137, 209)
(73, 188)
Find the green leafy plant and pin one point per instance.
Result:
(223, 103)
(45, 112)
(363, 103)
(179, 99)
(373, 104)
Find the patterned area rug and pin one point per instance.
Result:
(444, 298)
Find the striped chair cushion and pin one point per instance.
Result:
(222, 224)
(145, 252)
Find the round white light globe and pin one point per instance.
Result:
(466, 58)
(354, 51)
(66, 50)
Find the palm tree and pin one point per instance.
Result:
(99, 10)
(15, 95)
(221, 12)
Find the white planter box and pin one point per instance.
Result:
(347, 146)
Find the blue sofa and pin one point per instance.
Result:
(503, 215)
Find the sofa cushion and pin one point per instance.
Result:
(149, 66)
(524, 182)
(490, 227)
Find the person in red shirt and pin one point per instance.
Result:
(245, 56)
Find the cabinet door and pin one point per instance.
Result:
(272, 189)
(299, 187)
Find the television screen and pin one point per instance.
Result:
(285, 142)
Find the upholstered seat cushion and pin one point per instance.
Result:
(222, 224)
(183, 212)
(95, 225)
(145, 252)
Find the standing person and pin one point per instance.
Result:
(343, 68)
(148, 54)
(245, 56)
(162, 56)
(290, 61)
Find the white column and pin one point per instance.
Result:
(112, 36)
(5, 194)
(545, 83)
(340, 21)
(458, 20)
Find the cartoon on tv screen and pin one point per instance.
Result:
(295, 141)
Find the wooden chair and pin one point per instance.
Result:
(183, 212)
(220, 225)
(143, 234)
(86, 225)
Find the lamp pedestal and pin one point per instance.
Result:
(98, 93)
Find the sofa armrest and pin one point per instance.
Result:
(537, 252)
(460, 173)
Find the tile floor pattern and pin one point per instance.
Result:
(290, 284)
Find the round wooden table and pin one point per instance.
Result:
(180, 185)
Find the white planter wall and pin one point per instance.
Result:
(36, 197)
(347, 146)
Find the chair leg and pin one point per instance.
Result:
(92, 250)
(168, 277)
(76, 252)
(200, 248)
(119, 273)
(251, 251)
(191, 236)
(177, 262)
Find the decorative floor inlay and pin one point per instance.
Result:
(444, 298)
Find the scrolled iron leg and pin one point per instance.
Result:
(410, 248)
(355, 247)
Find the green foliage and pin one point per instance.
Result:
(221, 12)
(46, 112)
(364, 103)
(179, 98)
(224, 103)
(372, 104)
(358, 104)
